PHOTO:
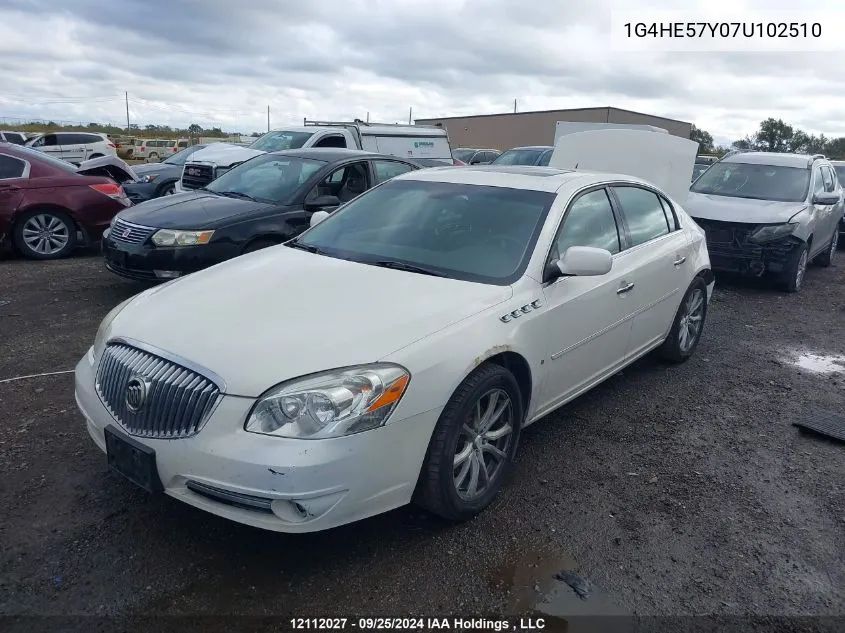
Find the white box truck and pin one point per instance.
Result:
(427, 145)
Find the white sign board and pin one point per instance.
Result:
(664, 160)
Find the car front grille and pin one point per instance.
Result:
(122, 231)
(176, 401)
(196, 175)
(730, 247)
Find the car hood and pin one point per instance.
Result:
(110, 166)
(727, 209)
(224, 154)
(279, 313)
(189, 210)
(150, 169)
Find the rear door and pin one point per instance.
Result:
(72, 146)
(13, 171)
(660, 258)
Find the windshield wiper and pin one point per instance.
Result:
(237, 194)
(411, 268)
(303, 247)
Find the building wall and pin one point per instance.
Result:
(503, 131)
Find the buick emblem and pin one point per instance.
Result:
(136, 393)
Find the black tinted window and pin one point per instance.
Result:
(387, 169)
(644, 214)
(90, 138)
(11, 167)
(589, 222)
(545, 158)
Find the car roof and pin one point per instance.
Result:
(332, 154)
(514, 176)
(539, 148)
(777, 159)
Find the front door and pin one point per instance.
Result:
(587, 320)
(49, 144)
(661, 257)
(73, 147)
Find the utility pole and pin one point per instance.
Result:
(410, 115)
(368, 117)
(126, 96)
(514, 106)
(268, 118)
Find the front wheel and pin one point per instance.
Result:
(473, 446)
(793, 277)
(689, 322)
(168, 190)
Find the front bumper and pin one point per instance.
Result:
(139, 192)
(731, 249)
(142, 261)
(292, 485)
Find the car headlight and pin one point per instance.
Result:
(100, 337)
(330, 404)
(170, 237)
(771, 232)
(149, 178)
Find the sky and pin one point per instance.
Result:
(222, 62)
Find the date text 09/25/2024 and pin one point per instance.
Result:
(418, 624)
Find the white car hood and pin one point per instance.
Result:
(727, 209)
(280, 313)
(224, 154)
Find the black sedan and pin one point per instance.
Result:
(264, 201)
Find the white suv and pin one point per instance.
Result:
(74, 147)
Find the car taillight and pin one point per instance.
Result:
(110, 189)
(112, 145)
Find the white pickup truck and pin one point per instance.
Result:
(427, 145)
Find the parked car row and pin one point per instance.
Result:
(395, 350)
(532, 155)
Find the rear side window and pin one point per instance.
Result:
(387, 169)
(644, 214)
(91, 138)
(545, 158)
(11, 167)
(589, 222)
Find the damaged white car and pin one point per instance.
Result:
(394, 351)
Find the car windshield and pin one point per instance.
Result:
(269, 178)
(35, 155)
(463, 154)
(468, 232)
(698, 169)
(757, 182)
(277, 141)
(518, 157)
(180, 157)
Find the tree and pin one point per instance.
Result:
(744, 144)
(703, 138)
(835, 147)
(194, 129)
(774, 136)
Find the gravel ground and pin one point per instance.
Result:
(671, 490)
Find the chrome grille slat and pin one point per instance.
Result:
(178, 401)
(122, 231)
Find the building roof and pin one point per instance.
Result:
(563, 110)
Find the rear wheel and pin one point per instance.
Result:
(688, 325)
(45, 235)
(793, 276)
(473, 446)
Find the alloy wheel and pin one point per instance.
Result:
(483, 444)
(691, 321)
(45, 234)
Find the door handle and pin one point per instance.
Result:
(625, 288)
(680, 261)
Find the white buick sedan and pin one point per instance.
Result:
(394, 351)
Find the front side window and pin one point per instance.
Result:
(469, 232)
(589, 222)
(344, 183)
(827, 179)
(277, 141)
(818, 181)
(11, 167)
(268, 178)
(464, 155)
(753, 181)
(387, 169)
(644, 214)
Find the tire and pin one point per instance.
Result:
(792, 279)
(826, 259)
(439, 486)
(258, 244)
(168, 189)
(32, 228)
(683, 338)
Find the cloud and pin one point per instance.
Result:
(220, 62)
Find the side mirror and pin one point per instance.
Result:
(322, 202)
(826, 198)
(318, 217)
(585, 261)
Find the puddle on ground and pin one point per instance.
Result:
(819, 363)
(555, 588)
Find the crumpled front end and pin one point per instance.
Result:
(732, 250)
